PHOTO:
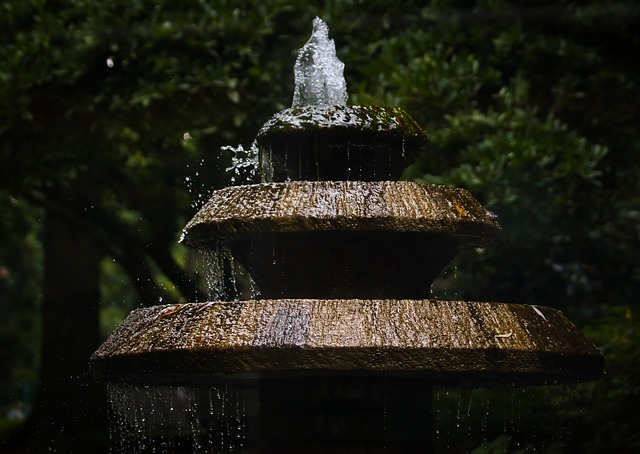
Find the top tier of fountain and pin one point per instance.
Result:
(321, 138)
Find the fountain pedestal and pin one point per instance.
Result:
(345, 414)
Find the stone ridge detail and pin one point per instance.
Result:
(311, 206)
(460, 341)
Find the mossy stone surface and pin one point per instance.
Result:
(364, 143)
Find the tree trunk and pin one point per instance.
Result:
(69, 414)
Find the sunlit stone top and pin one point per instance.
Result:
(318, 74)
(305, 206)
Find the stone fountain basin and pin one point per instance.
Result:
(370, 143)
(453, 342)
(302, 206)
(342, 239)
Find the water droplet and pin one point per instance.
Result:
(110, 62)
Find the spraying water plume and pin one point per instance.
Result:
(318, 74)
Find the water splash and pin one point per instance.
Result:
(318, 74)
(244, 163)
(226, 279)
(193, 182)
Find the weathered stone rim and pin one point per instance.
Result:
(312, 206)
(481, 344)
(366, 120)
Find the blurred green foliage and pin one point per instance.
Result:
(604, 416)
(112, 116)
(20, 302)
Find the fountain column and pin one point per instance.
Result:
(345, 414)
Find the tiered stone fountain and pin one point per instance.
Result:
(342, 343)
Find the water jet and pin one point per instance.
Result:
(340, 346)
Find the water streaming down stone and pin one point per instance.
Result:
(498, 419)
(170, 419)
(336, 343)
(361, 143)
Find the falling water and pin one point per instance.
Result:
(226, 279)
(490, 420)
(168, 419)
